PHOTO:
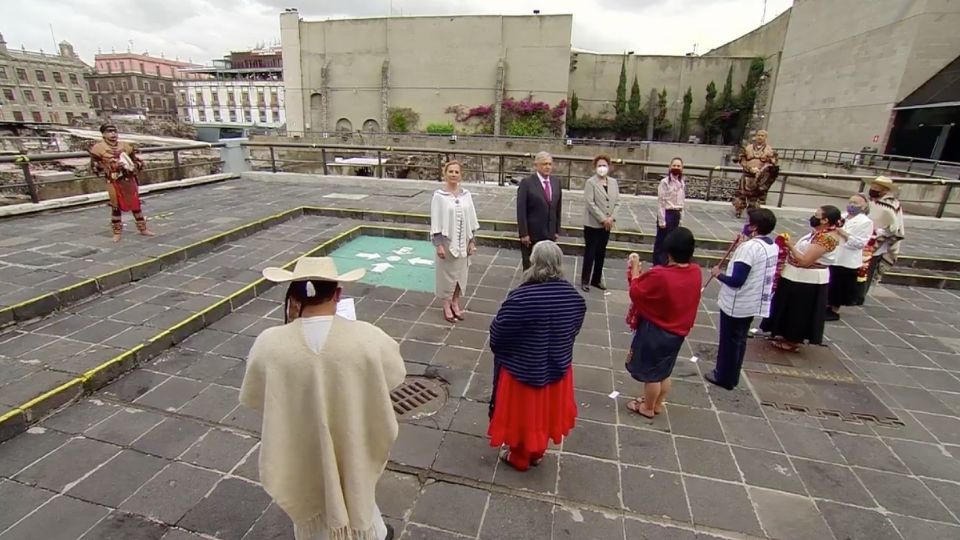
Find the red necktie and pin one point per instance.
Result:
(548, 191)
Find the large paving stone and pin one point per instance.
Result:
(121, 526)
(576, 524)
(117, 479)
(28, 447)
(832, 482)
(274, 524)
(589, 480)
(219, 450)
(467, 456)
(789, 517)
(62, 518)
(721, 505)
(171, 437)
(229, 511)
(592, 439)
(514, 518)
(768, 469)
(451, 507)
(696, 423)
(18, 501)
(903, 495)
(868, 452)
(706, 458)
(806, 442)
(849, 522)
(648, 448)
(654, 493)
(126, 426)
(67, 464)
(541, 479)
(171, 493)
(80, 416)
(748, 431)
(416, 446)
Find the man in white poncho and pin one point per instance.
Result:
(323, 385)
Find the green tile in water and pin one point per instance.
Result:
(390, 262)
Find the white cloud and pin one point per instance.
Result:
(208, 29)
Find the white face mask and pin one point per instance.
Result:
(602, 170)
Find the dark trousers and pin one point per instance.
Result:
(594, 252)
(872, 270)
(733, 346)
(672, 218)
(526, 250)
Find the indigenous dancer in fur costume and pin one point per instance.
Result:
(760, 170)
(119, 163)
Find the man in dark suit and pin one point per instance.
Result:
(538, 206)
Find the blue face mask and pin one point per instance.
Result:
(853, 210)
(746, 231)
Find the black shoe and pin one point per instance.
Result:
(389, 531)
(584, 287)
(712, 379)
(599, 286)
(831, 316)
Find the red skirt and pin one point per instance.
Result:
(127, 194)
(525, 417)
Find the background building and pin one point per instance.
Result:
(129, 84)
(244, 90)
(346, 74)
(41, 88)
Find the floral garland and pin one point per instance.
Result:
(782, 255)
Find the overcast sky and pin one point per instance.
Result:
(202, 30)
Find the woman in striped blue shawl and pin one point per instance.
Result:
(532, 340)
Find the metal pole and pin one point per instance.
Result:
(569, 168)
(483, 174)
(379, 164)
(28, 177)
(933, 171)
(176, 165)
(323, 156)
(943, 201)
(440, 166)
(273, 160)
(783, 189)
(709, 184)
(910, 165)
(500, 171)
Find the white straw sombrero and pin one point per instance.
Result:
(307, 268)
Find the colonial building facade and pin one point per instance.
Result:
(43, 88)
(136, 85)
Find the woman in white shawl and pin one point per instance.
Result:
(453, 225)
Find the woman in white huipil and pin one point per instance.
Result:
(453, 225)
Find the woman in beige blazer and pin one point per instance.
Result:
(601, 196)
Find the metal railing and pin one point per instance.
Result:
(876, 161)
(705, 182)
(24, 161)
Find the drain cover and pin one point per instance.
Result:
(418, 397)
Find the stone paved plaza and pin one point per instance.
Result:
(165, 451)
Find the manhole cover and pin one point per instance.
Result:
(418, 397)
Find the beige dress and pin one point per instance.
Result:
(453, 224)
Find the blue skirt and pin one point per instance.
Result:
(653, 353)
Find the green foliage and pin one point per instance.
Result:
(708, 117)
(620, 106)
(526, 127)
(402, 119)
(440, 128)
(748, 97)
(572, 111)
(662, 126)
(685, 115)
(633, 105)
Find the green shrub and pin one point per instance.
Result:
(401, 119)
(440, 128)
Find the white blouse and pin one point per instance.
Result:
(453, 216)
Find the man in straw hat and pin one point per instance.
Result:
(119, 163)
(887, 216)
(323, 385)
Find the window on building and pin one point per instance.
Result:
(78, 97)
(216, 115)
(18, 116)
(47, 96)
(183, 98)
(114, 102)
(202, 115)
(96, 102)
(123, 85)
(233, 115)
(94, 87)
(216, 97)
(165, 103)
(41, 76)
(199, 98)
(273, 99)
(64, 98)
(158, 70)
(123, 67)
(109, 67)
(55, 117)
(85, 116)
(110, 86)
(3, 72)
(22, 75)
(57, 77)
(70, 117)
(73, 79)
(8, 94)
(245, 98)
(247, 116)
(142, 69)
(126, 102)
(263, 116)
(28, 95)
(36, 116)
